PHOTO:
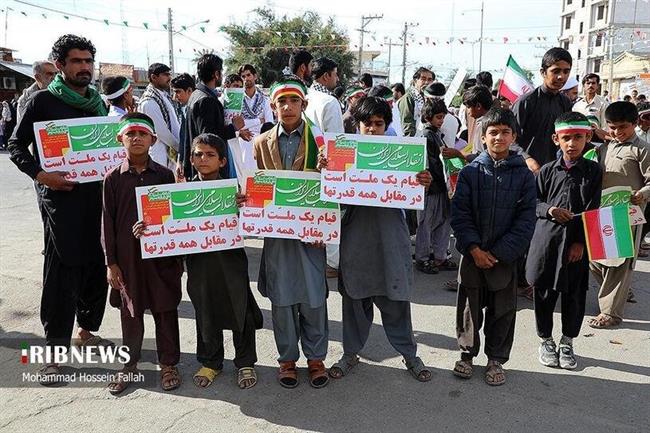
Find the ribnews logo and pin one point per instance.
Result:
(90, 355)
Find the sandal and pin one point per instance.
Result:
(417, 369)
(318, 377)
(604, 321)
(446, 265)
(463, 369)
(94, 341)
(246, 377)
(426, 266)
(451, 285)
(288, 375)
(630, 297)
(205, 376)
(494, 375)
(49, 375)
(170, 378)
(343, 366)
(122, 381)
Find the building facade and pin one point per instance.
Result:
(589, 27)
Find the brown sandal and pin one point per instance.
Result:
(122, 381)
(318, 377)
(288, 375)
(170, 378)
(604, 321)
(494, 375)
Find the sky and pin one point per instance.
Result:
(523, 29)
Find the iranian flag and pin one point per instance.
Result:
(608, 232)
(514, 82)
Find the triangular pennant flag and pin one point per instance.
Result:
(202, 29)
(106, 22)
(146, 25)
(165, 26)
(126, 23)
(24, 13)
(66, 17)
(184, 28)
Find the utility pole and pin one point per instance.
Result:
(480, 45)
(404, 37)
(390, 51)
(365, 20)
(170, 32)
(612, 29)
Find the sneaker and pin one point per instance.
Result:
(567, 358)
(548, 353)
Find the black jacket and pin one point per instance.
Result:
(494, 207)
(205, 114)
(71, 219)
(434, 143)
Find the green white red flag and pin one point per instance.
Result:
(514, 82)
(608, 232)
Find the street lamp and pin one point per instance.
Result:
(480, 49)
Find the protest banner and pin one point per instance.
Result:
(287, 204)
(85, 148)
(233, 102)
(374, 170)
(188, 218)
(616, 195)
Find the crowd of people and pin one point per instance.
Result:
(524, 181)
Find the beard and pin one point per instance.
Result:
(80, 80)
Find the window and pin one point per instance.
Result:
(568, 2)
(599, 40)
(597, 63)
(601, 12)
(582, 25)
(565, 45)
(583, 3)
(579, 54)
(567, 22)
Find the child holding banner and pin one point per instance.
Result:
(218, 285)
(626, 161)
(137, 284)
(292, 273)
(376, 266)
(493, 217)
(432, 235)
(558, 263)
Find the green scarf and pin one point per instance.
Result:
(93, 103)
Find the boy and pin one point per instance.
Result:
(137, 284)
(292, 273)
(493, 218)
(626, 162)
(558, 263)
(219, 288)
(536, 111)
(478, 101)
(432, 235)
(375, 266)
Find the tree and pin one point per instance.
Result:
(268, 42)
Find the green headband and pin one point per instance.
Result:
(572, 126)
(131, 124)
(289, 87)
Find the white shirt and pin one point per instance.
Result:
(116, 111)
(166, 137)
(449, 130)
(596, 108)
(325, 111)
(643, 135)
(267, 113)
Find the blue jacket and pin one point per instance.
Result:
(494, 207)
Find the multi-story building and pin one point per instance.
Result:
(590, 26)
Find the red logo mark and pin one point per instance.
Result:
(608, 230)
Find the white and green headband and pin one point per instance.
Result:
(143, 125)
(573, 127)
(120, 92)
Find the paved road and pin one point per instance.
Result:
(607, 393)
